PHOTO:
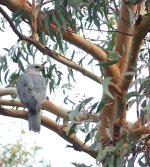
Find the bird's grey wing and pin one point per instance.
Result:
(39, 90)
(31, 89)
(24, 89)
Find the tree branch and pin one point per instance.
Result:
(55, 127)
(123, 42)
(57, 56)
(47, 105)
(72, 38)
(140, 31)
(140, 131)
(35, 12)
(128, 48)
(7, 91)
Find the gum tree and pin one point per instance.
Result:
(106, 41)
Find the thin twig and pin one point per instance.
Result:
(114, 30)
(115, 5)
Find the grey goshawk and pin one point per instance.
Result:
(31, 89)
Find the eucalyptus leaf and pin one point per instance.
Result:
(47, 23)
(70, 128)
(94, 106)
(18, 13)
(6, 75)
(108, 133)
(131, 162)
(90, 135)
(101, 155)
(80, 165)
(68, 86)
(131, 94)
(108, 62)
(105, 84)
(114, 55)
(102, 104)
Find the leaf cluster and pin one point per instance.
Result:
(17, 155)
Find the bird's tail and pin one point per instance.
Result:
(34, 121)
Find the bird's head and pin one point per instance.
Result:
(35, 67)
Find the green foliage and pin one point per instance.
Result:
(102, 103)
(17, 16)
(113, 58)
(132, 2)
(105, 83)
(123, 153)
(18, 13)
(80, 165)
(16, 155)
(90, 135)
(131, 94)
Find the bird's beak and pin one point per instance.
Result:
(41, 68)
(43, 64)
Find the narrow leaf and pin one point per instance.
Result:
(131, 94)
(89, 135)
(5, 77)
(105, 83)
(131, 162)
(94, 106)
(108, 62)
(19, 12)
(114, 55)
(86, 101)
(71, 128)
(107, 130)
(102, 103)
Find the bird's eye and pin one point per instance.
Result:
(36, 66)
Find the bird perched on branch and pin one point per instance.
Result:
(31, 89)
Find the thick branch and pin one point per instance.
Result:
(123, 42)
(129, 49)
(140, 131)
(50, 124)
(7, 91)
(48, 105)
(140, 32)
(35, 12)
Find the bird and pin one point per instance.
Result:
(31, 89)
